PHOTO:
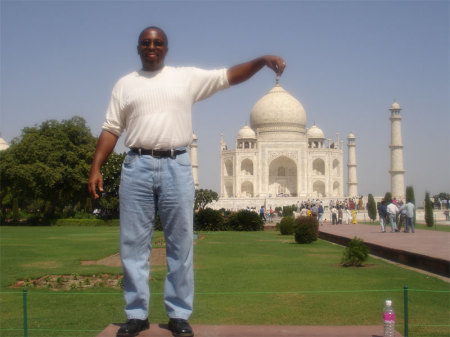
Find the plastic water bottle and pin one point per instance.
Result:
(389, 320)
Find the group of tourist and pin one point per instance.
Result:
(393, 212)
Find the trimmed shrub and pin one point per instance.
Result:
(429, 218)
(245, 220)
(287, 225)
(306, 229)
(288, 210)
(372, 208)
(388, 197)
(355, 254)
(208, 220)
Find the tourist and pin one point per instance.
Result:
(340, 214)
(409, 207)
(320, 213)
(334, 213)
(447, 215)
(261, 214)
(382, 214)
(154, 106)
(392, 212)
(314, 210)
(402, 215)
(270, 214)
(348, 216)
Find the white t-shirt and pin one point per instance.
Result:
(155, 106)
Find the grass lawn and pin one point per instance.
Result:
(241, 278)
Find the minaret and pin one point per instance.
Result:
(352, 181)
(397, 172)
(194, 161)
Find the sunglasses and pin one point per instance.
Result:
(147, 43)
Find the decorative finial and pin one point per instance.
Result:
(277, 79)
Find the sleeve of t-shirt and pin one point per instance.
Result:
(115, 118)
(204, 83)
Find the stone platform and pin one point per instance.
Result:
(260, 331)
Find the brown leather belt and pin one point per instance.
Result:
(158, 153)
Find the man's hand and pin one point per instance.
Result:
(105, 145)
(244, 71)
(95, 179)
(276, 63)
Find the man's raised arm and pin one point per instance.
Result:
(105, 145)
(244, 71)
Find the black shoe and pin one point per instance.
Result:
(180, 327)
(132, 327)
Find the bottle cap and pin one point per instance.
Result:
(388, 303)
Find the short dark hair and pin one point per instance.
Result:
(156, 28)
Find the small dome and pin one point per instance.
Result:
(3, 144)
(315, 132)
(194, 136)
(351, 136)
(395, 105)
(278, 109)
(246, 132)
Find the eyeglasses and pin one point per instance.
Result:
(147, 43)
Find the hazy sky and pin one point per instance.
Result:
(347, 61)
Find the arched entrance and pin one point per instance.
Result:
(283, 177)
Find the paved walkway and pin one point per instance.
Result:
(424, 242)
(260, 331)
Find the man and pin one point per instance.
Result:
(402, 215)
(382, 213)
(409, 216)
(154, 106)
(392, 211)
(261, 214)
(320, 213)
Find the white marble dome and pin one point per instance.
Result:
(395, 105)
(315, 132)
(351, 136)
(3, 144)
(246, 132)
(278, 109)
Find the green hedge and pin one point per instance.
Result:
(306, 229)
(85, 222)
(287, 225)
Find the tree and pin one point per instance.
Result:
(372, 208)
(111, 171)
(48, 165)
(410, 197)
(388, 198)
(429, 219)
(204, 197)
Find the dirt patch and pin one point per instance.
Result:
(74, 281)
(157, 258)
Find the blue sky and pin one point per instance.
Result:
(347, 61)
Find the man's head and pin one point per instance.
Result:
(152, 48)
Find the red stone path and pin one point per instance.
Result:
(260, 331)
(425, 242)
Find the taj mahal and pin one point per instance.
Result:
(277, 159)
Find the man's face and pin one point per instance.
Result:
(152, 49)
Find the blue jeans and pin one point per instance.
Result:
(392, 218)
(383, 223)
(409, 224)
(149, 184)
